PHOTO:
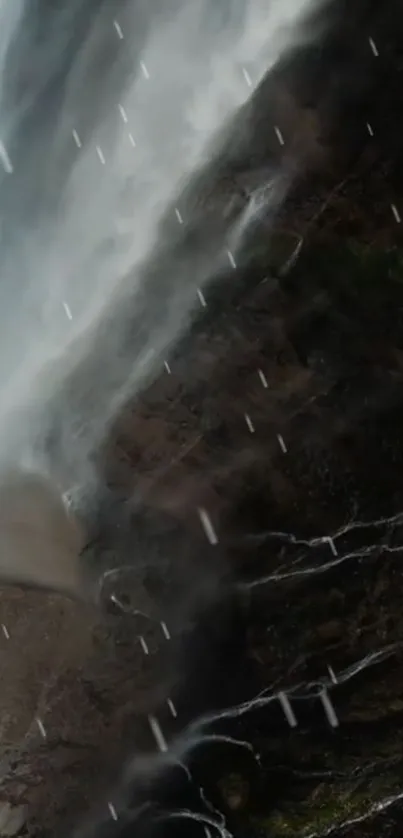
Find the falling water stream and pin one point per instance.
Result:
(111, 119)
(114, 121)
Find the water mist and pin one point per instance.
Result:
(111, 118)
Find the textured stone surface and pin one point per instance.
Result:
(12, 819)
(329, 344)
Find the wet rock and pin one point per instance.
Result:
(235, 791)
(331, 630)
(12, 819)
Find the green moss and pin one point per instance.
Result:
(325, 808)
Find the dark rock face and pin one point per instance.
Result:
(313, 358)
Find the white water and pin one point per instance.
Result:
(96, 281)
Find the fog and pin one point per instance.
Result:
(111, 122)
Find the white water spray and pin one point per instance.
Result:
(97, 276)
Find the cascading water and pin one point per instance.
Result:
(110, 120)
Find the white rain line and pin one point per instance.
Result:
(329, 709)
(332, 674)
(123, 114)
(368, 660)
(263, 379)
(282, 444)
(201, 298)
(377, 807)
(351, 526)
(172, 708)
(100, 155)
(288, 711)
(41, 728)
(286, 267)
(132, 140)
(7, 164)
(247, 77)
(67, 310)
(370, 129)
(144, 70)
(331, 544)
(178, 215)
(207, 526)
(112, 810)
(143, 645)
(198, 817)
(76, 138)
(396, 213)
(279, 135)
(207, 832)
(249, 423)
(118, 29)
(158, 734)
(120, 605)
(165, 630)
(231, 259)
(308, 571)
(167, 367)
(5, 631)
(127, 609)
(373, 47)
